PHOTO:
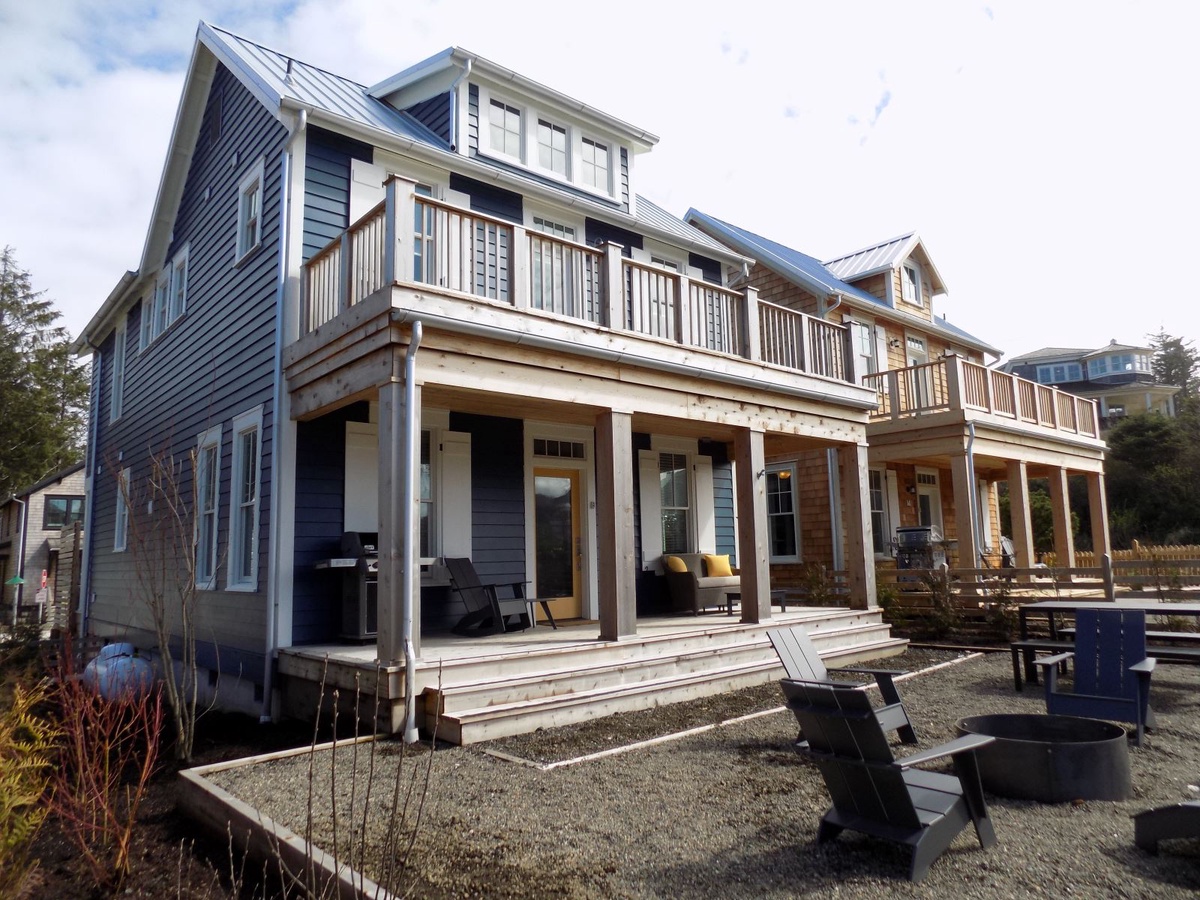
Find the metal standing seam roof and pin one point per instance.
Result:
(654, 216)
(876, 258)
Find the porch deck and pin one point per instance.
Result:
(489, 687)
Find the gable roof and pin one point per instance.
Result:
(816, 277)
(61, 475)
(884, 257)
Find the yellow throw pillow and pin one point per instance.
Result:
(718, 566)
(674, 564)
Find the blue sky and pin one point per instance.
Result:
(1045, 152)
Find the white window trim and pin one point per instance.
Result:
(799, 554)
(121, 521)
(117, 396)
(887, 512)
(935, 491)
(919, 278)
(553, 123)
(165, 288)
(251, 420)
(255, 175)
(180, 261)
(210, 438)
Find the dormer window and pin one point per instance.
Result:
(910, 284)
(506, 129)
(552, 147)
(594, 165)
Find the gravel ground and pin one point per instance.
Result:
(729, 812)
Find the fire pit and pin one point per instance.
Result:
(1052, 758)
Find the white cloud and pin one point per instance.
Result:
(1044, 151)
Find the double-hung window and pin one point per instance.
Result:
(676, 502)
(243, 506)
(250, 203)
(910, 285)
(168, 301)
(881, 538)
(505, 132)
(121, 519)
(594, 164)
(208, 485)
(552, 147)
(781, 514)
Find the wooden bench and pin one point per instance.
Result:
(1026, 651)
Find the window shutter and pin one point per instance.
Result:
(881, 349)
(893, 506)
(366, 187)
(361, 512)
(705, 507)
(651, 510)
(455, 508)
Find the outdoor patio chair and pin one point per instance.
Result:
(1180, 820)
(487, 612)
(880, 796)
(1112, 671)
(802, 662)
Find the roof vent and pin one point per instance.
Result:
(287, 78)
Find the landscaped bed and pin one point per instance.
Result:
(725, 811)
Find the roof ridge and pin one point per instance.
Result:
(893, 240)
(245, 40)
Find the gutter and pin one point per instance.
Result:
(285, 204)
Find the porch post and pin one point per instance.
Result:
(963, 480)
(751, 491)
(1098, 505)
(1060, 501)
(614, 518)
(392, 567)
(1018, 507)
(856, 520)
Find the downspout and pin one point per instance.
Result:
(20, 562)
(834, 303)
(412, 461)
(89, 481)
(454, 105)
(285, 187)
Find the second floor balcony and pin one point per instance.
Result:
(414, 241)
(954, 384)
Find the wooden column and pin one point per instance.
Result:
(1098, 505)
(1018, 507)
(751, 492)
(1060, 501)
(393, 568)
(614, 518)
(856, 520)
(963, 479)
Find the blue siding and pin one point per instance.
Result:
(723, 501)
(434, 114)
(598, 232)
(710, 267)
(489, 199)
(327, 186)
(211, 364)
(472, 120)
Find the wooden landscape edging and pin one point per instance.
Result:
(264, 839)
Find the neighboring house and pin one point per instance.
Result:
(460, 251)
(1119, 377)
(33, 522)
(947, 428)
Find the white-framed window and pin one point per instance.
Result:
(675, 500)
(783, 527)
(117, 397)
(208, 496)
(250, 209)
(121, 519)
(881, 532)
(594, 164)
(863, 337)
(244, 501)
(676, 489)
(910, 284)
(168, 301)
(552, 147)
(555, 229)
(504, 130)
(929, 499)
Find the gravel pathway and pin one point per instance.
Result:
(732, 812)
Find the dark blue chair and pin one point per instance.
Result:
(1112, 671)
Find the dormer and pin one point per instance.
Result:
(486, 112)
(898, 271)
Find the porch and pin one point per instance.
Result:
(489, 687)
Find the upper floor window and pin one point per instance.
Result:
(863, 337)
(910, 284)
(552, 147)
(555, 229)
(505, 128)
(250, 201)
(1059, 373)
(62, 512)
(169, 300)
(594, 164)
(117, 396)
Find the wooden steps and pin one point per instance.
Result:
(542, 688)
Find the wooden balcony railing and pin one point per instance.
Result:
(957, 384)
(413, 239)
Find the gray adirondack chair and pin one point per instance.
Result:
(802, 662)
(877, 795)
(1112, 671)
(487, 612)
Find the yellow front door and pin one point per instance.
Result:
(558, 557)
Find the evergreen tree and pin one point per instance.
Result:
(43, 393)
(1177, 362)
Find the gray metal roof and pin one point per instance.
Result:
(655, 217)
(879, 257)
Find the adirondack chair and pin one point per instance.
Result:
(1112, 671)
(802, 662)
(877, 795)
(1180, 820)
(487, 612)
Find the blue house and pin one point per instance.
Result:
(435, 316)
